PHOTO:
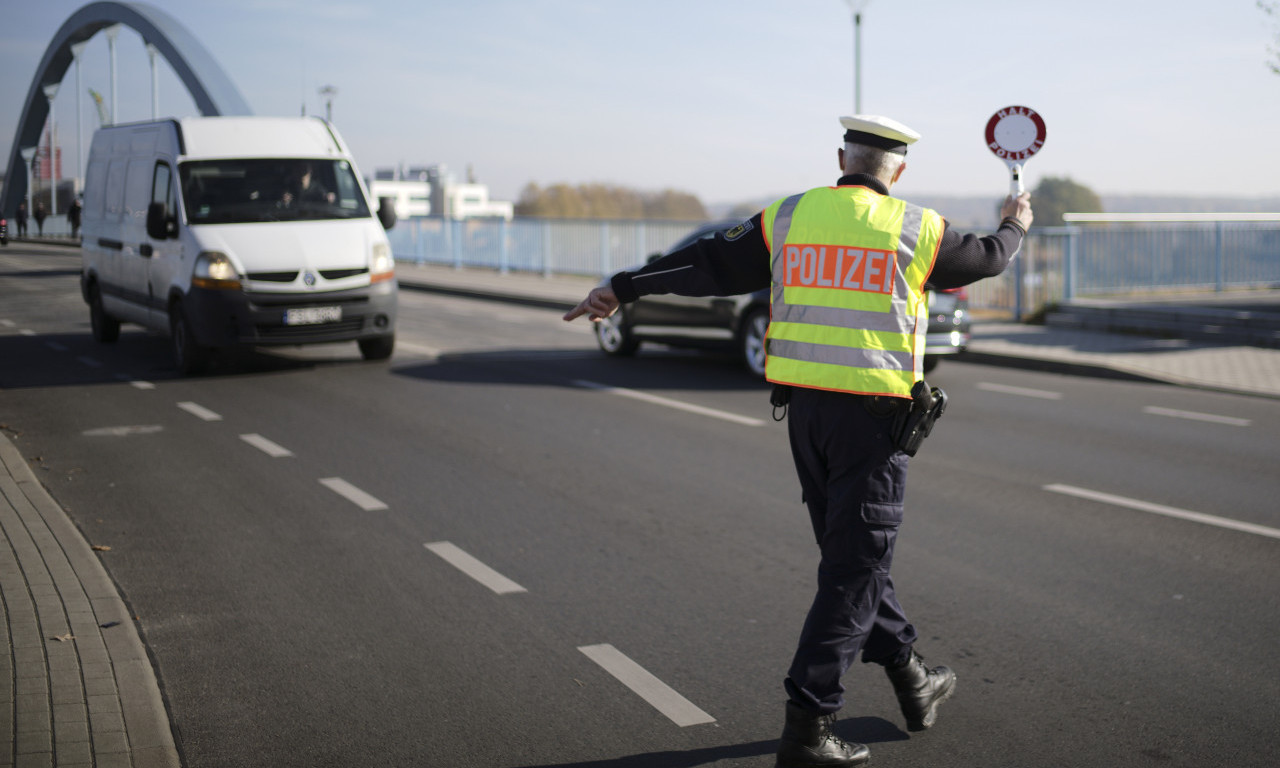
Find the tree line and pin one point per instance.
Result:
(605, 201)
(1051, 198)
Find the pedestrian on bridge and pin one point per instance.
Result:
(848, 266)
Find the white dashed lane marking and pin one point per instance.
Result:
(353, 494)
(668, 403)
(266, 446)
(1005, 389)
(1193, 416)
(660, 696)
(199, 411)
(1160, 509)
(472, 567)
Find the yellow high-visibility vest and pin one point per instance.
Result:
(848, 308)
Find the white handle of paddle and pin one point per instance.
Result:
(1015, 181)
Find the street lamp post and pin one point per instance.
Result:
(155, 82)
(76, 50)
(857, 6)
(50, 91)
(112, 33)
(28, 157)
(328, 92)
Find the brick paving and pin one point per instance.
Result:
(81, 690)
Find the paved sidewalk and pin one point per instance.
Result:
(1205, 365)
(82, 691)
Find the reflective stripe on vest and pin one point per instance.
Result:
(848, 310)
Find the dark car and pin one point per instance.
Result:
(739, 322)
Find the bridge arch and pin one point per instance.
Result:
(210, 88)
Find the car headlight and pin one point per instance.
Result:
(383, 265)
(214, 270)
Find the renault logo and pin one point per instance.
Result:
(309, 278)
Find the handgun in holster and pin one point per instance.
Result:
(914, 424)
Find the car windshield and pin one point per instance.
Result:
(239, 191)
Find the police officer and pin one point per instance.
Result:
(848, 267)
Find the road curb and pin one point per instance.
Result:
(56, 553)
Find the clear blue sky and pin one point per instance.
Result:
(729, 99)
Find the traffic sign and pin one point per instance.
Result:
(1013, 135)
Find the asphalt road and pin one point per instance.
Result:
(484, 552)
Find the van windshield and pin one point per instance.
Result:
(239, 191)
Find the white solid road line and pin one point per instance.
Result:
(676, 404)
(1005, 389)
(1160, 509)
(352, 494)
(474, 568)
(1193, 416)
(266, 446)
(199, 411)
(417, 349)
(677, 708)
(135, 383)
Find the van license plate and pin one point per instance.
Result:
(312, 315)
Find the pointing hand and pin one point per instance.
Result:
(598, 305)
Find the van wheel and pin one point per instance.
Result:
(189, 357)
(106, 329)
(751, 340)
(377, 348)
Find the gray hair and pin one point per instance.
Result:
(859, 158)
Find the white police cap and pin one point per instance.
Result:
(879, 132)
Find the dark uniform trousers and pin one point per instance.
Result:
(854, 480)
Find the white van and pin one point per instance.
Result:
(235, 231)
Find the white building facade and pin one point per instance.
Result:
(432, 192)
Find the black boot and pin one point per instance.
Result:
(807, 742)
(920, 690)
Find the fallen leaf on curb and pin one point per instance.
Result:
(101, 548)
(63, 638)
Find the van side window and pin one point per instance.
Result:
(115, 189)
(137, 190)
(162, 187)
(95, 189)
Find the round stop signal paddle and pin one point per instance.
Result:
(1013, 135)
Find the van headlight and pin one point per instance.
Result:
(214, 270)
(384, 264)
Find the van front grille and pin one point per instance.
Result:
(334, 274)
(274, 277)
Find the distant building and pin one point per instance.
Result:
(432, 192)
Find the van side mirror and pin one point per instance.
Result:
(386, 212)
(161, 225)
